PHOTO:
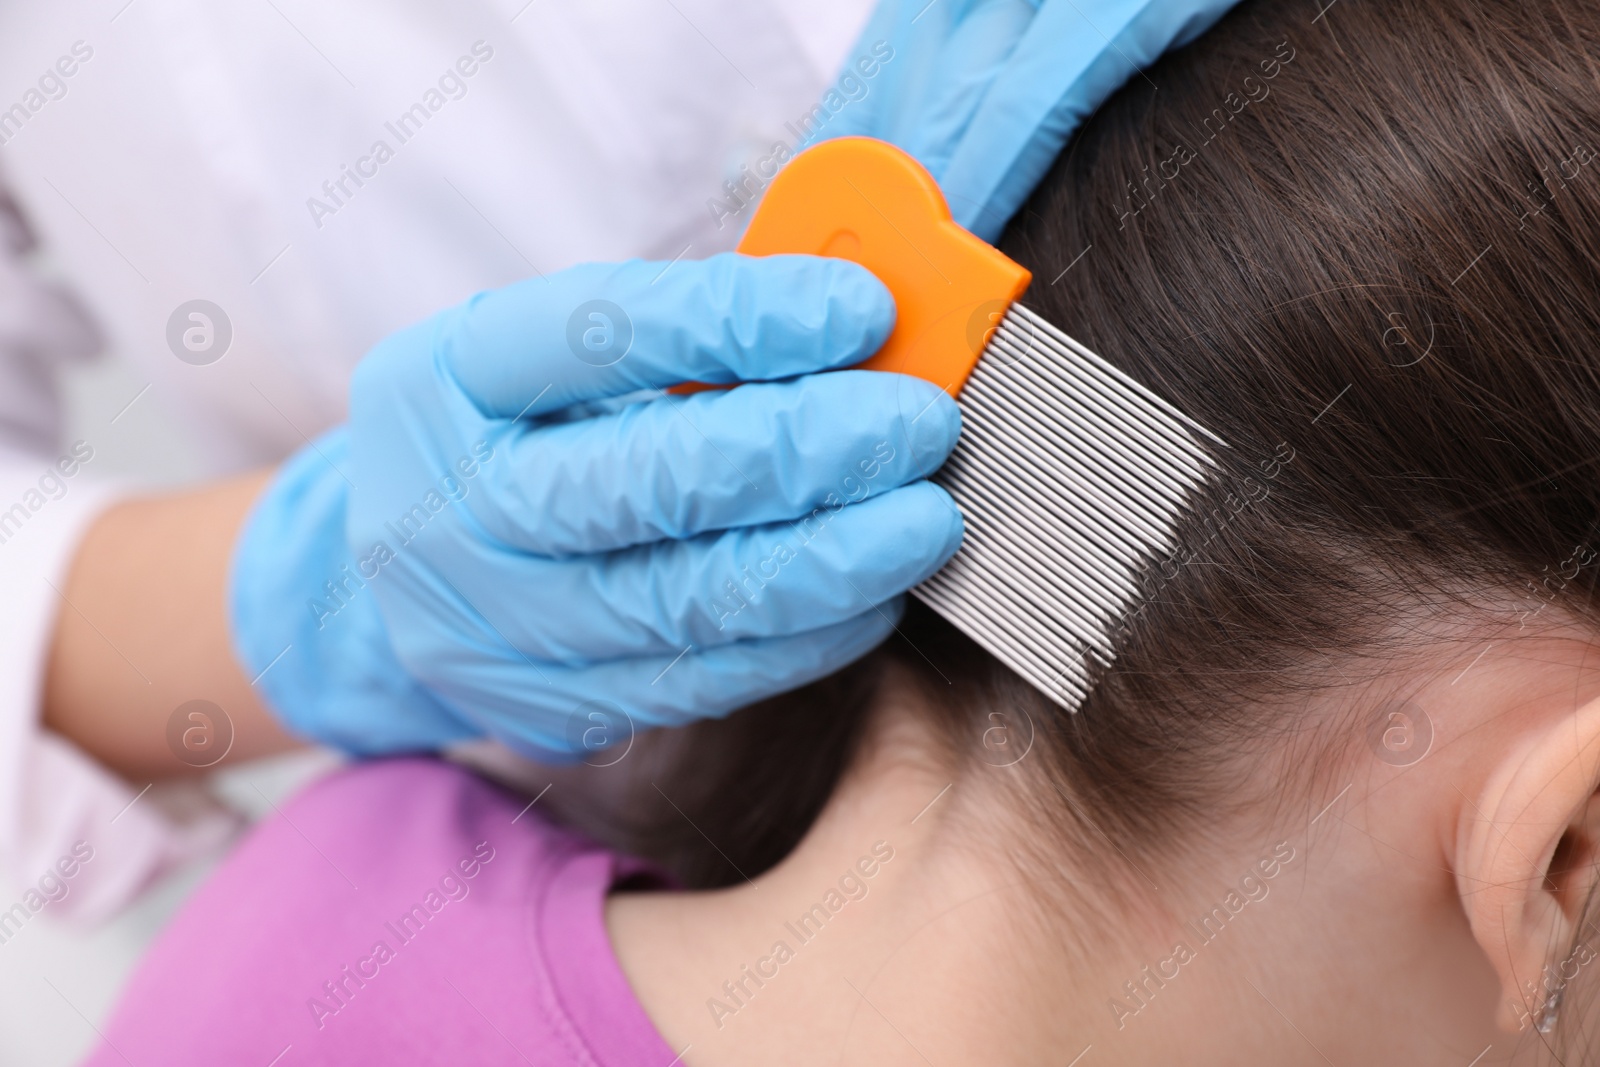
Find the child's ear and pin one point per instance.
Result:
(1526, 865)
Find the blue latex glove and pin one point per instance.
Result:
(531, 570)
(986, 92)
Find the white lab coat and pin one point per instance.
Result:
(185, 156)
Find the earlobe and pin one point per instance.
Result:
(1526, 859)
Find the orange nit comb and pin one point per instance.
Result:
(867, 201)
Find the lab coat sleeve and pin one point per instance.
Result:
(53, 798)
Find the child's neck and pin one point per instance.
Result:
(879, 940)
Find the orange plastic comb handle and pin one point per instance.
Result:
(865, 200)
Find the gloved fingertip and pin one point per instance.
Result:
(902, 538)
(939, 516)
(860, 302)
(787, 315)
(932, 423)
(955, 531)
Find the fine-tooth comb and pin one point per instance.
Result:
(1070, 475)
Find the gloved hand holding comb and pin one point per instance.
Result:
(478, 561)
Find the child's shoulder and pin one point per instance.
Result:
(384, 911)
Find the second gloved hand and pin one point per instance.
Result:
(986, 92)
(527, 568)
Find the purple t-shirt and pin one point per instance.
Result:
(401, 912)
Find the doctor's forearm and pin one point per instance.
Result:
(144, 629)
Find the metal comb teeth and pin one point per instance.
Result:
(1070, 476)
